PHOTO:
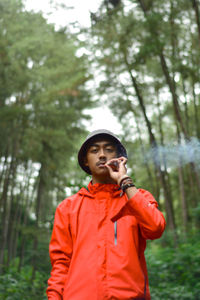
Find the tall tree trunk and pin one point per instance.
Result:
(162, 154)
(40, 191)
(196, 111)
(13, 226)
(27, 207)
(5, 214)
(171, 84)
(169, 80)
(154, 183)
(8, 184)
(184, 207)
(197, 15)
(187, 119)
(11, 218)
(156, 160)
(4, 168)
(16, 231)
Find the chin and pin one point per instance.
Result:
(101, 172)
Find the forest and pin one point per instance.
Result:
(145, 59)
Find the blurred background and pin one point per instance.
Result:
(69, 67)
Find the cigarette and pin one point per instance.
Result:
(114, 163)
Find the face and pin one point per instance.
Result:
(98, 153)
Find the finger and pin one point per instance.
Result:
(110, 169)
(122, 160)
(114, 165)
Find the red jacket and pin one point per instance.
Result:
(98, 242)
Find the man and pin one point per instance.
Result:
(99, 235)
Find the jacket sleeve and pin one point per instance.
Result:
(144, 207)
(60, 250)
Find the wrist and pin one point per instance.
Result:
(121, 179)
(125, 183)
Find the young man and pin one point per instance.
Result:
(99, 235)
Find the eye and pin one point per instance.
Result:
(94, 150)
(110, 149)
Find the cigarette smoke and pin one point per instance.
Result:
(177, 155)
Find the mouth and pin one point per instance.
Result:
(101, 164)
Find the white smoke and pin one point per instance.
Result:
(173, 155)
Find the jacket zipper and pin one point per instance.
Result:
(115, 228)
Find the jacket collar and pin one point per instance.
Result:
(100, 187)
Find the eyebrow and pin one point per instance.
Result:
(106, 145)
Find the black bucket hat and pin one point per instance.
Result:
(121, 151)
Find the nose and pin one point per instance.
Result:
(102, 153)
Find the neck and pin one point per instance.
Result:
(103, 180)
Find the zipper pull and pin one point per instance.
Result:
(115, 228)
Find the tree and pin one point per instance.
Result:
(43, 97)
(151, 45)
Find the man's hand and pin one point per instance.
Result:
(117, 168)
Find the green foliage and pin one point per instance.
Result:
(16, 285)
(43, 96)
(151, 83)
(174, 272)
(196, 215)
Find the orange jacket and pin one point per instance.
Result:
(98, 242)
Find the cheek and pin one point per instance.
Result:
(114, 155)
(86, 161)
(89, 160)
